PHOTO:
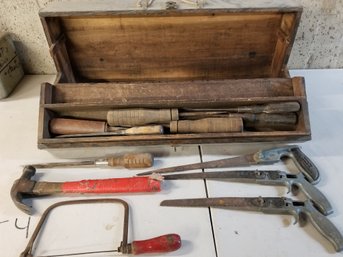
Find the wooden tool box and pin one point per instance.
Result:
(114, 55)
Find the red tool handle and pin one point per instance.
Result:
(161, 244)
(115, 185)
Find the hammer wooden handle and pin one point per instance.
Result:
(99, 186)
(140, 116)
(115, 185)
(132, 160)
(161, 244)
(208, 125)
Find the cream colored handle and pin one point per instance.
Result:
(132, 160)
(140, 116)
(142, 130)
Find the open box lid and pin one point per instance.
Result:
(101, 41)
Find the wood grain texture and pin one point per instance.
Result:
(172, 48)
(172, 93)
(121, 56)
(101, 7)
(173, 45)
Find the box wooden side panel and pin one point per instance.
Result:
(281, 136)
(175, 94)
(58, 51)
(285, 39)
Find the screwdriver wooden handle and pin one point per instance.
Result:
(132, 160)
(208, 125)
(140, 116)
(161, 244)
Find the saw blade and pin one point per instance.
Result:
(232, 174)
(245, 160)
(233, 203)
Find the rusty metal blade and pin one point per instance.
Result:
(62, 164)
(79, 253)
(232, 174)
(234, 203)
(244, 160)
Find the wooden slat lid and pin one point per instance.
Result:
(118, 41)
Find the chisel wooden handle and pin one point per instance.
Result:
(79, 128)
(61, 126)
(132, 160)
(264, 121)
(161, 244)
(140, 116)
(208, 125)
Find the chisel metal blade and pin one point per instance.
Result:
(63, 164)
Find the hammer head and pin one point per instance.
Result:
(22, 188)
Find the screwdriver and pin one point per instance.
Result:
(128, 161)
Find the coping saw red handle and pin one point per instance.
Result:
(115, 185)
(161, 244)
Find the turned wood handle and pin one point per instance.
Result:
(140, 116)
(61, 126)
(115, 185)
(161, 244)
(132, 160)
(264, 121)
(208, 125)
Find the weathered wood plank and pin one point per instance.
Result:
(212, 46)
(201, 91)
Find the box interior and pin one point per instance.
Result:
(203, 58)
(171, 46)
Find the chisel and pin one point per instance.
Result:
(259, 122)
(80, 128)
(129, 161)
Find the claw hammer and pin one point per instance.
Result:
(24, 187)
